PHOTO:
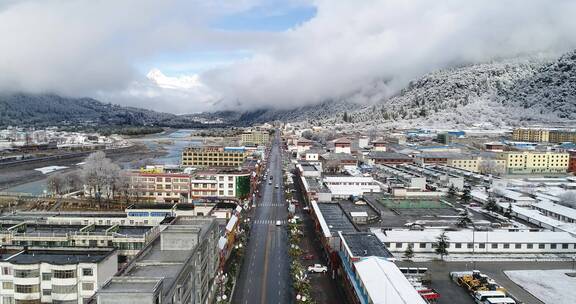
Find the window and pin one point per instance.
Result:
(64, 289)
(6, 271)
(529, 246)
(422, 245)
(26, 273)
(7, 300)
(541, 246)
(518, 246)
(458, 245)
(64, 274)
(87, 272)
(564, 246)
(494, 246)
(46, 276)
(482, 245)
(46, 292)
(27, 288)
(7, 285)
(88, 286)
(470, 245)
(552, 246)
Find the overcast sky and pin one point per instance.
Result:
(186, 56)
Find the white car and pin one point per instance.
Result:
(276, 186)
(278, 223)
(317, 268)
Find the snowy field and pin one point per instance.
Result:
(50, 169)
(550, 286)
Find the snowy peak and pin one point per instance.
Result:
(184, 82)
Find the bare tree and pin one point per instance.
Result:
(73, 181)
(568, 199)
(100, 175)
(490, 166)
(55, 183)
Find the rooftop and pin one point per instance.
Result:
(388, 155)
(59, 256)
(363, 244)
(335, 218)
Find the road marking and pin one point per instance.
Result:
(266, 257)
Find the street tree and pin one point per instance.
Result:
(464, 220)
(409, 252)
(465, 197)
(452, 191)
(442, 245)
(491, 205)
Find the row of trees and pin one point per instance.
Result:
(99, 177)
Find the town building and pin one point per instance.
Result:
(477, 164)
(380, 157)
(344, 186)
(174, 187)
(379, 145)
(55, 275)
(342, 145)
(179, 266)
(532, 135)
(480, 242)
(213, 156)
(531, 162)
(255, 137)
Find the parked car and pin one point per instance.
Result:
(317, 268)
(308, 257)
(306, 208)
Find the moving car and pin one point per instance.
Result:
(278, 223)
(276, 186)
(317, 268)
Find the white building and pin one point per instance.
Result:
(383, 283)
(55, 276)
(467, 241)
(343, 186)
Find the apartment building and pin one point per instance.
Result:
(179, 266)
(529, 162)
(477, 164)
(184, 187)
(255, 137)
(213, 156)
(128, 240)
(541, 135)
(534, 135)
(55, 275)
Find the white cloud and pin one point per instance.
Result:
(91, 48)
(351, 43)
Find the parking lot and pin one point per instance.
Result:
(451, 293)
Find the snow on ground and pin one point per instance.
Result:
(550, 286)
(50, 169)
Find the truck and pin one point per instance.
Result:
(482, 288)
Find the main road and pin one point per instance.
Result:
(265, 273)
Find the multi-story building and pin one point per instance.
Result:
(477, 164)
(343, 145)
(213, 156)
(255, 137)
(528, 162)
(557, 136)
(179, 266)
(55, 275)
(127, 239)
(184, 187)
(534, 135)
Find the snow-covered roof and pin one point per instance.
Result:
(514, 196)
(556, 208)
(465, 236)
(348, 179)
(384, 282)
(359, 214)
(539, 217)
(231, 223)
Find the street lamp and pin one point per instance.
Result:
(573, 261)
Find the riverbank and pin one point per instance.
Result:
(25, 173)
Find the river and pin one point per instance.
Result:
(172, 143)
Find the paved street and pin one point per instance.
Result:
(264, 275)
